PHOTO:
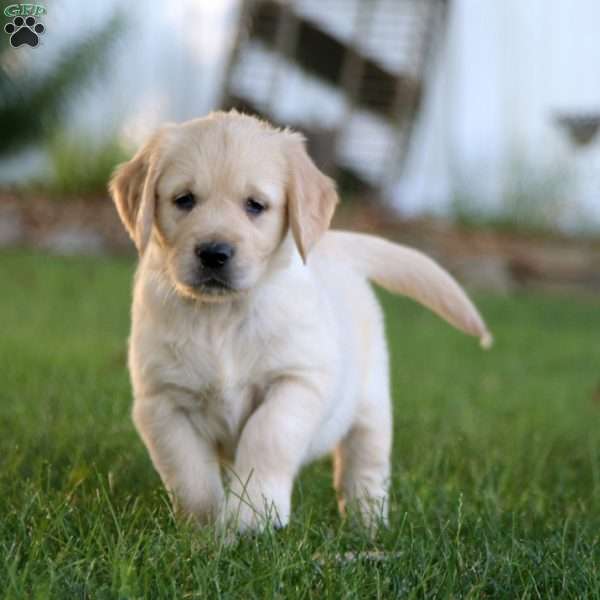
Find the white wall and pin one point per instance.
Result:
(505, 69)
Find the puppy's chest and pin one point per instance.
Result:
(223, 377)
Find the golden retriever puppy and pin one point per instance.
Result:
(257, 341)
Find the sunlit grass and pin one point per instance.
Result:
(496, 483)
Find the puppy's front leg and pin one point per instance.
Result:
(271, 449)
(186, 462)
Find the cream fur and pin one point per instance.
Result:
(235, 391)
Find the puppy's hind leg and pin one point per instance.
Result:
(362, 460)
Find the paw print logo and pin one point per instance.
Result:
(24, 31)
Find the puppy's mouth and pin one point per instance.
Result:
(214, 285)
(211, 287)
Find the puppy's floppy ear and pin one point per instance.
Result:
(311, 196)
(133, 188)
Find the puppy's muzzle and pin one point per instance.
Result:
(214, 272)
(214, 256)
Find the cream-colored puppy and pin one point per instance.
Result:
(256, 339)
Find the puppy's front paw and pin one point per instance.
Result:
(251, 510)
(367, 512)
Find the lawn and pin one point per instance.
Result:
(496, 481)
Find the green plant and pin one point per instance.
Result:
(32, 103)
(534, 199)
(82, 165)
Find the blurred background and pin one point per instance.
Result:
(466, 128)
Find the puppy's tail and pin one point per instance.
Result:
(406, 271)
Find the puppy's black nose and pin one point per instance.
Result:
(214, 255)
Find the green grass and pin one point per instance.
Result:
(496, 481)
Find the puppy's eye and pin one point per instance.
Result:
(185, 202)
(254, 207)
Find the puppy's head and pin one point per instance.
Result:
(217, 196)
